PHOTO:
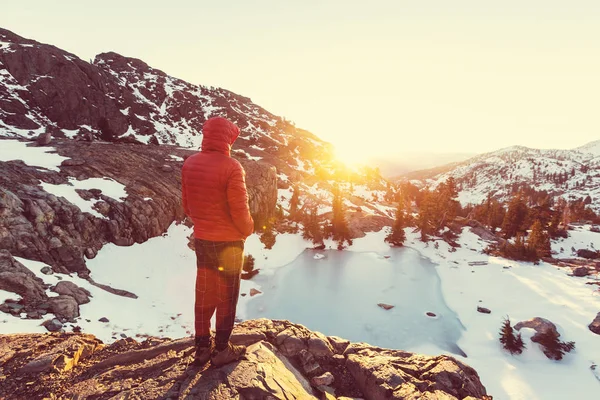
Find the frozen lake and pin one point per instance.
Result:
(338, 295)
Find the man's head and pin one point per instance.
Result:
(219, 134)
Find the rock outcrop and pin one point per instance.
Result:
(284, 361)
(38, 225)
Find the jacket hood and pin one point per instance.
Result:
(218, 135)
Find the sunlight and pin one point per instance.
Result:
(352, 154)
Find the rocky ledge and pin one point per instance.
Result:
(284, 361)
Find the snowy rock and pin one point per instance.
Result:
(44, 139)
(65, 307)
(580, 271)
(47, 270)
(595, 325)
(323, 380)
(539, 325)
(319, 256)
(82, 296)
(16, 278)
(103, 319)
(254, 292)
(589, 254)
(483, 310)
(166, 168)
(385, 306)
(430, 314)
(53, 325)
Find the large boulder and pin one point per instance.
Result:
(64, 307)
(82, 296)
(388, 374)
(16, 278)
(595, 325)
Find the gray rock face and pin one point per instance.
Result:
(16, 278)
(82, 296)
(595, 325)
(160, 369)
(53, 325)
(39, 226)
(65, 307)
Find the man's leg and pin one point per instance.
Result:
(205, 305)
(229, 288)
(229, 291)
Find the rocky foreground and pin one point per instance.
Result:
(284, 361)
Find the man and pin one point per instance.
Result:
(215, 198)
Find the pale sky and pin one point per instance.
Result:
(373, 77)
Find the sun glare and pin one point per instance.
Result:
(351, 154)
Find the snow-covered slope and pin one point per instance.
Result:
(572, 174)
(592, 148)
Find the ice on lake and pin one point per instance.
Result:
(339, 295)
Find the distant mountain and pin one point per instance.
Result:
(572, 174)
(406, 162)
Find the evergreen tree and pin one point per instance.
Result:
(397, 236)
(554, 348)
(312, 229)
(425, 216)
(511, 342)
(445, 206)
(515, 217)
(267, 237)
(496, 217)
(249, 261)
(539, 241)
(339, 225)
(294, 202)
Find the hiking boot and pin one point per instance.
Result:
(203, 354)
(230, 354)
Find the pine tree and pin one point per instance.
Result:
(515, 217)
(539, 241)
(425, 216)
(397, 236)
(294, 202)
(339, 226)
(268, 235)
(553, 348)
(312, 229)
(511, 342)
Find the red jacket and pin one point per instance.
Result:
(214, 186)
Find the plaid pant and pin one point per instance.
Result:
(217, 288)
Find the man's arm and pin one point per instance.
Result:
(237, 198)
